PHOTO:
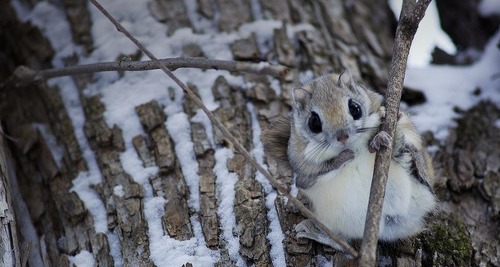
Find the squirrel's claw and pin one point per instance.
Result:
(381, 139)
(381, 112)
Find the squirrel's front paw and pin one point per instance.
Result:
(346, 156)
(381, 139)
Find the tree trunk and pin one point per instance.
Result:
(57, 225)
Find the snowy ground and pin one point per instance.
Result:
(447, 87)
(444, 87)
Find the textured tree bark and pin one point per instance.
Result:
(344, 34)
(9, 241)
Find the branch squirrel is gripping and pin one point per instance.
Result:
(328, 141)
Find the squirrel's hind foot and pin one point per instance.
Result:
(307, 229)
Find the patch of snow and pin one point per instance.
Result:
(82, 187)
(489, 7)
(256, 9)
(166, 251)
(56, 150)
(225, 186)
(179, 252)
(52, 22)
(276, 86)
(428, 36)
(294, 190)
(275, 235)
(201, 117)
(497, 123)
(22, 10)
(446, 87)
(238, 82)
(180, 130)
(263, 30)
(384, 261)
(203, 80)
(291, 30)
(323, 261)
(432, 149)
(82, 259)
(306, 77)
(199, 22)
(118, 191)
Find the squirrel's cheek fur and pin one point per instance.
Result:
(319, 153)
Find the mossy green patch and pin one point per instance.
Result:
(448, 244)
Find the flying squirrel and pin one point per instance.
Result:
(328, 140)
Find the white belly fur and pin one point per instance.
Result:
(340, 199)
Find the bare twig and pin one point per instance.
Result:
(277, 71)
(411, 14)
(281, 188)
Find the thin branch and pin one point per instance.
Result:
(277, 71)
(281, 188)
(412, 13)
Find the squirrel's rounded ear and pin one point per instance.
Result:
(346, 80)
(301, 97)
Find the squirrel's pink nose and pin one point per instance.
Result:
(342, 137)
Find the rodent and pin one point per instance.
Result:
(328, 141)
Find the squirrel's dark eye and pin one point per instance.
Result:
(354, 109)
(314, 123)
